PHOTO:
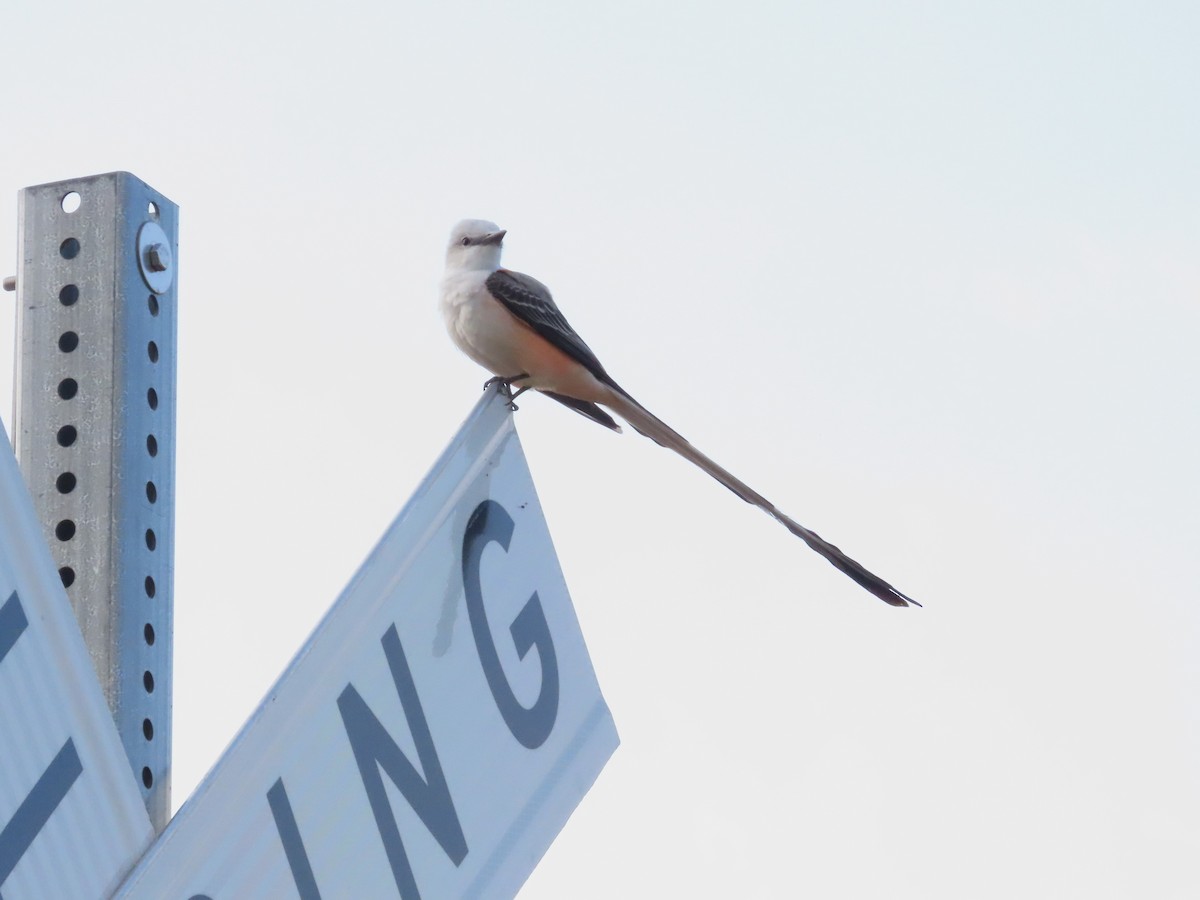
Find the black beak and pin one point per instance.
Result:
(494, 238)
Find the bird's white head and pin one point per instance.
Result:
(474, 244)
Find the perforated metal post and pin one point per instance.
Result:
(95, 434)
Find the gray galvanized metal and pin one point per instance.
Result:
(72, 821)
(95, 435)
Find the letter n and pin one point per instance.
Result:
(374, 750)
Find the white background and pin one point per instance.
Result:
(925, 275)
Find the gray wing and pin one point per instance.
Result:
(530, 301)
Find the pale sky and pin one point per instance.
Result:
(926, 275)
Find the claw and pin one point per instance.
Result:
(514, 395)
(507, 387)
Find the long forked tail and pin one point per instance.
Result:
(658, 431)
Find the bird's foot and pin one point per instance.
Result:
(512, 406)
(506, 382)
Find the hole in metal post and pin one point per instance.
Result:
(68, 295)
(64, 530)
(65, 482)
(69, 248)
(152, 398)
(152, 302)
(68, 341)
(152, 445)
(148, 682)
(148, 729)
(148, 634)
(151, 492)
(152, 209)
(71, 201)
(68, 388)
(147, 777)
(152, 351)
(150, 588)
(67, 435)
(67, 574)
(151, 539)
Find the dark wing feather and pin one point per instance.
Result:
(584, 408)
(530, 301)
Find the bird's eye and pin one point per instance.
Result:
(466, 242)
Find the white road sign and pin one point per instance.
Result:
(435, 732)
(72, 821)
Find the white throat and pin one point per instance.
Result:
(475, 258)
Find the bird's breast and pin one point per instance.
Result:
(486, 331)
(478, 324)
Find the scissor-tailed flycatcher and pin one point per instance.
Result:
(509, 324)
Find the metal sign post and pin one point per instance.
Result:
(72, 821)
(95, 435)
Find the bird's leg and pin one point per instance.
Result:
(506, 382)
(509, 391)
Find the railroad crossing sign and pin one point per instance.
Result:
(437, 729)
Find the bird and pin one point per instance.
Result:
(509, 324)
